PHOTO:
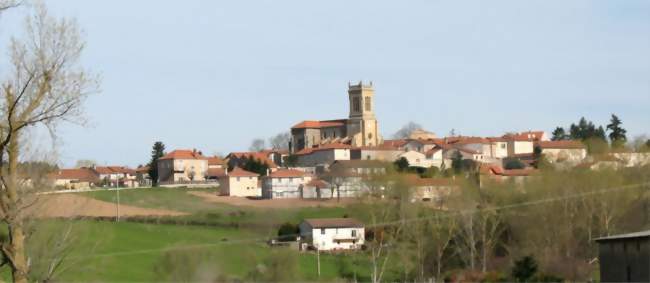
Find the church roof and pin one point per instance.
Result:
(319, 124)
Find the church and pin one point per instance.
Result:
(359, 129)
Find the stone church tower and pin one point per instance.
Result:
(362, 125)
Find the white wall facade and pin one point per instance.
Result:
(332, 239)
(273, 188)
(240, 187)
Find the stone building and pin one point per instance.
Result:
(360, 129)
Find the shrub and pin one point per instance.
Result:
(288, 232)
(524, 269)
(513, 163)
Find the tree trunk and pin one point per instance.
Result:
(19, 267)
(15, 250)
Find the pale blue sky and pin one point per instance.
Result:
(214, 75)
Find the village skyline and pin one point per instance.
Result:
(476, 78)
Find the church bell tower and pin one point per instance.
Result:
(362, 124)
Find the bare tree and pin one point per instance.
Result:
(45, 86)
(257, 145)
(85, 163)
(7, 4)
(280, 141)
(406, 130)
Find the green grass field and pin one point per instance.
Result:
(102, 251)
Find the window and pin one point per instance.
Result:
(237, 179)
(354, 233)
(503, 146)
(368, 104)
(356, 104)
(322, 231)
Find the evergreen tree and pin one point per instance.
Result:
(157, 152)
(617, 133)
(559, 134)
(256, 166)
(586, 130)
(457, 162)
(401, 164)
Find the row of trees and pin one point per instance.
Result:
(595, 137)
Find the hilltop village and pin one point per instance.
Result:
(331, 159)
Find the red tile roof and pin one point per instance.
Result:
(238, 172)
(571, 144)
(107, 170)
(183, 154)
(319, 124)
(81, 174)
(215, 160)
(216, 172)
(395, 143)
(287, 173)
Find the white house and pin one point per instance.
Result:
(284, 183)
(317, 189)
(332, 234)
(323, 155)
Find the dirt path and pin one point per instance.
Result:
(270, 203)
(73, 205)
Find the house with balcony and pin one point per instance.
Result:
(182, 166)
(332, 234)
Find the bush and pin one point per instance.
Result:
(513, 163)
(524, 269)
(288, 232)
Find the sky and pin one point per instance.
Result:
(213, 75)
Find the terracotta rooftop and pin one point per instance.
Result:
(216, 172)
(334, 223)
(107, 170)
(183, 154)
(287, 173)
(81, 174)
(238, 172)
(571, 144)
(215, 160)
(319, 124)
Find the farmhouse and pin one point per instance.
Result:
(332, 234)
(75, 179)
(240, 183)
(181, 166)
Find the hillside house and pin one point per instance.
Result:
(435, 190)
(332, 234)
(284, 183)
(381, 153)
(112, 176)
(182, 166)
(240, 183)
(347, 177)
(75, 179)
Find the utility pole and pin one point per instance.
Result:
(318, 260)
(117, 190)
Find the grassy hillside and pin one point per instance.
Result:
(120, 252)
